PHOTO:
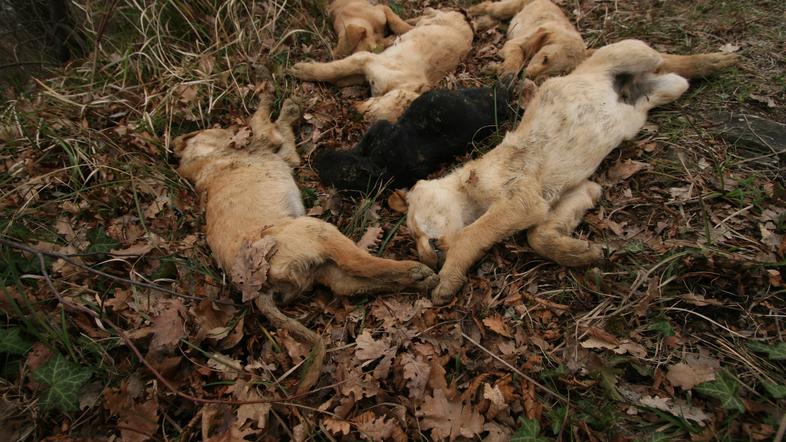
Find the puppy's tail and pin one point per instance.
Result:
(267, 306)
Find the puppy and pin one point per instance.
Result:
(257, 228)
(539, 32)
(360, 26)
(543, 38)
(537, 177)
(399, 74)
(435, 128)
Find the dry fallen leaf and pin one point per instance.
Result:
(729, 48)
(676, 407)
(622, 170)
(336, 426)
(695, 370)
(368, 348)
(168, 327)
(496, 324)
(449, 419)
(249, 271)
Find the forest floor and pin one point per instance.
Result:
(677, 335)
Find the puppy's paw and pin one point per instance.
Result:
(290, 110)
(419, 272)
(447, 288)
(479, 9)
(720, 60)
(428, 283)
(304, 71)
(592, 254)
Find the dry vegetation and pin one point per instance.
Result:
(678, 335)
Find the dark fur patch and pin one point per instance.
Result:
(630, 88)
(436, 127)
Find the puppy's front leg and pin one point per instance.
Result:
(502, 219)
(290, 112)
(333, 71)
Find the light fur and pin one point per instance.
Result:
(250, 194)
(537, 177)
(360, 26)
(412, 65)
(542, 37)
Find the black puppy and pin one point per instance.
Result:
(435, 128)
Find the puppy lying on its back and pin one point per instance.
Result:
(360, 26)
(435, 128)
(537, 178)
(399, 74)
(255, 217)
(541, 37)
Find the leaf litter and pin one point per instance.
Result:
(683, 311)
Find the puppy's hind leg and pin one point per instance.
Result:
(333, 247)
(395, 23)
(333, 71)
(552, 239)
(627, 56)
(664, 88)
(698, 65)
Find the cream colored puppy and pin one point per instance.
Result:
(360, 26)
(258, 231)
(251, 195)
(543, 38)
(537, 178)
(399, 74)
(539, 33)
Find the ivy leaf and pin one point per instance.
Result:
(663, 327)
(64, 379)
(775, 390)
(529, 431)
(12, 342)
(774, 352)
(724, 388)
(557, 416)
(99, 241)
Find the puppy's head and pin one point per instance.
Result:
(347, 170)
(555, 56)
(433, 216)
(196, 148)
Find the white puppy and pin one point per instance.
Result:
(537, 178)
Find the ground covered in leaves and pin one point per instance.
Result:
(677, 335)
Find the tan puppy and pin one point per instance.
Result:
(360, 26)
(543, 38)
(416, 61)
(537, 178)
(258, 231)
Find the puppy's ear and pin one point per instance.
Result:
(528, 90)
(535, 43)
(398, 201)
(349, 40)
(181, 142)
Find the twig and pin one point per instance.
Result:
(516, 370)
(70, 260)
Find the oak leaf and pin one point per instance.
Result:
(449, 419)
